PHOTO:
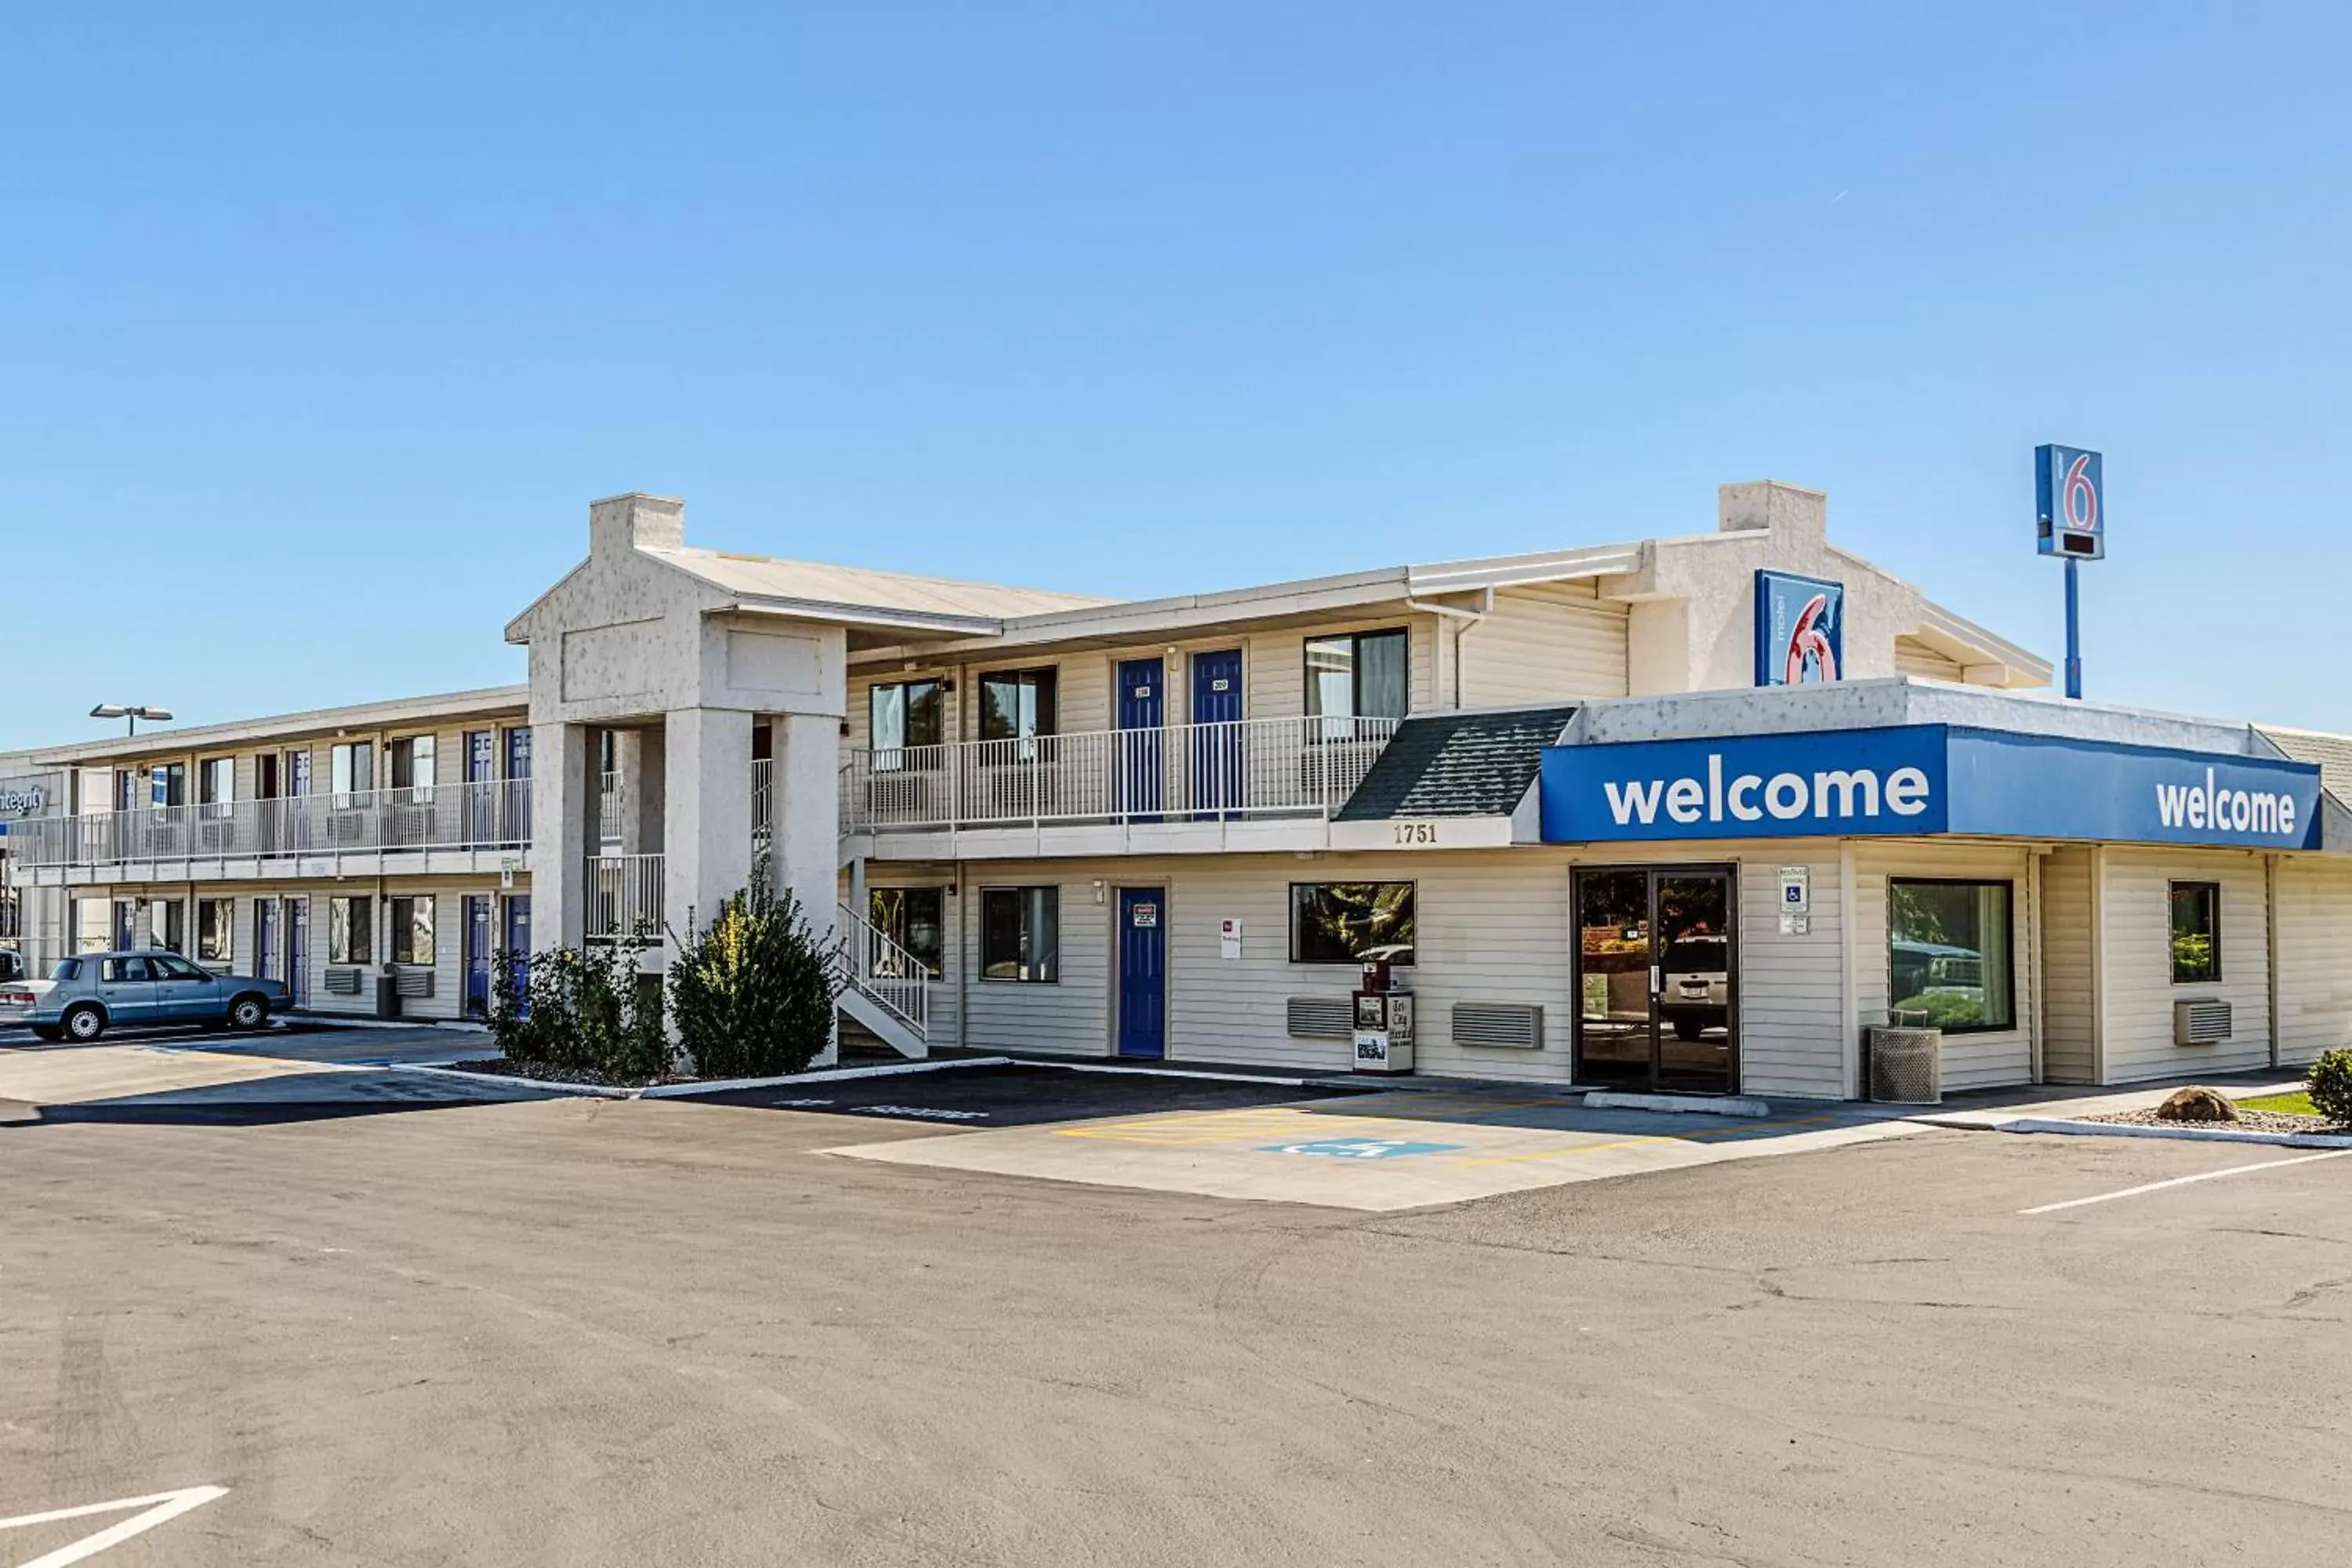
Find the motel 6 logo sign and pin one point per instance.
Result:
(2070, 502)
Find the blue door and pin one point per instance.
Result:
(481, 766)
(1217, 751)
(298, 951)
(518, 947)
(1142, 972)
(1141, 703)
(126, 925)
(516, 802)
(478, 955)
(265, 939)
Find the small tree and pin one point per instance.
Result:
(752, 994)
(2330, 1085)
(583, 1010)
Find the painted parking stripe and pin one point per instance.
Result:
(159, 1508)
(2185, 1180)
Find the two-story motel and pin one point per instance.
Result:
(1691, 812)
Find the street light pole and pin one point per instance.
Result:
(133, 713)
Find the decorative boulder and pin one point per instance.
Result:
(2196, 1105)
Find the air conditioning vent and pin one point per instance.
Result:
(2200, 1022)
(1321, 1018)
(344, 982)
(1509, 1026)
(414, 981)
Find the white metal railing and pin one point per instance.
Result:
(495, 813)
(610, 804)
(763, 782)
(1253, 767)
(880, 967)
(625, 897)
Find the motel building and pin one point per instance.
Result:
(1692, 813)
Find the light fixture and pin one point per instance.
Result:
(133, 713)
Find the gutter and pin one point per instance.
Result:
(1466, 622)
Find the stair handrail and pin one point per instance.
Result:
(882, 970)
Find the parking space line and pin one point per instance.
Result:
(1638, 1140)
(2185, 1180)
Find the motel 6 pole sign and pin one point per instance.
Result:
(2071, 500)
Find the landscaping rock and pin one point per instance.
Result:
(2197, 1104)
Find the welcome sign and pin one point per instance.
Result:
(1924, 779)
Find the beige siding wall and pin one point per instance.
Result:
(2314, 957)
(1544, 643)
(1796, 1021)
(2070, 1014)
(2135, 970)
(1069, 1016)
(1971, 1061)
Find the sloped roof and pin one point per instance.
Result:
(2332, 753)
(1458, 764)
(816, 583)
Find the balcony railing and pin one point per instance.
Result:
(624, 897)
(1249, 768)
(494, 815)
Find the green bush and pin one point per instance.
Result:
(2330, 1082)
(1946, 1009)
(752, 994)
(581, 1011)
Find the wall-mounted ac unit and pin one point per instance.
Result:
(1512, 1025)
(344, 982)
(1321, 1018)
(413, 982)
(2200, 1022)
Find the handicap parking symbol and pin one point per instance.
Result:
(1360, 1148)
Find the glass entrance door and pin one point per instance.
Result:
(1657, 979)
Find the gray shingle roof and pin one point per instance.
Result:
(1458, 764)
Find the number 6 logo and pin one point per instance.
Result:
(2080, 500)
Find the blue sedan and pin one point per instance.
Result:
(88, 994)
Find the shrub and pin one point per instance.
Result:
(2330, 1083)
(581, 1011)
(752, 994)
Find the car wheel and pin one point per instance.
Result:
(49, 1032)
(247, 1012)
(84, 1023)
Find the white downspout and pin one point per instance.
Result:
(1464, 621)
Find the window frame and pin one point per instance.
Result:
(345, 757)
(1342, 726)
(2008, 912)
(1044, 683)
(224, 949)
(935, 962)
(216, 780)
(403, 753)
(2211, 889)
(1290, 919)
(401, 928)
(358, 920)
(1031, 897)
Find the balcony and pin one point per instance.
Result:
(491, 816)
(1257, 768)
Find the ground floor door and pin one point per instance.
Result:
(1142, 707)
(1142, 972)
(1657, 978)
(478, 954)
(517, 945)
(266, 948)
(298, 950)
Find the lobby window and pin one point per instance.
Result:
(911, 917)
(1948, 953)
(1020, 934)
(1360, 675)
(903, 713)
(411, 920)
(1018, 705)
(350, 930)
(351, 767)
(1348, 922)
(216, 920)
(2196, 932)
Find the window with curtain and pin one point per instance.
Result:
(1020, 934)
(350, 927)
(913, 917)
(216, 780)
(412, 762)
(351, 767)
(1017, 705)
(215, 923)
(1357, 675)
(2196, 932)
(902, 713)
(1948, 953)
(412, 929)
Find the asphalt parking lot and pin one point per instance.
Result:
(561, 1330)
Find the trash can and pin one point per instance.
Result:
(1906, 1065)
(387, 994)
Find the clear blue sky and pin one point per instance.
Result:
(320, 324)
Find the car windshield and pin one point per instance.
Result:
(65, 969)
(173, 968)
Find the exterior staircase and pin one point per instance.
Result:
(886, 990)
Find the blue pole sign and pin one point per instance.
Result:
(2070, 501)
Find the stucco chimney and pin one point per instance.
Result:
(625, 522)
(1789, 511)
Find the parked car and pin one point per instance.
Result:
(88, 994)
(1695, 990)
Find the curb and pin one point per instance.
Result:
(2184, 1134)
(545, 1085)
(1703, 1105)
(1202, 1073)
(822, 1075)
